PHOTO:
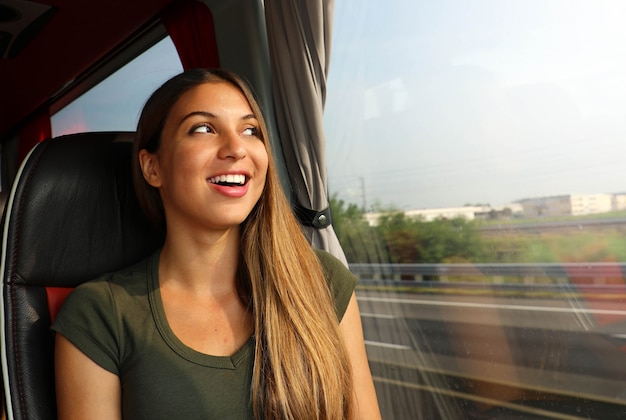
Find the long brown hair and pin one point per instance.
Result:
(301, 368)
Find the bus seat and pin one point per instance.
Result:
(71, 216)
(3, 200)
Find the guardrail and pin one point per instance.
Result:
(597, 273)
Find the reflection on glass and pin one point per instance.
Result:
(475, 170)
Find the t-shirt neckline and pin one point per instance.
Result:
(184, 351)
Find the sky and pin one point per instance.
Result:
(446, 103)
(441, 104)
(116, 103)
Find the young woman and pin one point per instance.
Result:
(236, 316)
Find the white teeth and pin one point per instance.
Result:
(230, 179)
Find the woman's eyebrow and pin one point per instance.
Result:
(194, 113)
(211, 115)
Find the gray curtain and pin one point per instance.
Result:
(299, 37)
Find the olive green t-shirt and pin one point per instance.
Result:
(118, 321)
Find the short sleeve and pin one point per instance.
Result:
(341, 281)
(88, 320)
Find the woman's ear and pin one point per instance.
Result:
(150, 168)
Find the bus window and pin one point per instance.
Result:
(475, 173)
(115, 103)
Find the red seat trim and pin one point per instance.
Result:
(56, 297)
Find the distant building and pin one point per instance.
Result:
(465, 212)
(619, 201)
(552, 206)
(568, 205)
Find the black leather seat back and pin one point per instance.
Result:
(72, 215)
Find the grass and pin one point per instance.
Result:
(539, 220)
(607, 245)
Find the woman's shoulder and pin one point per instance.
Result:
(129, 280)
(340, 280)
(332, 265)
(98, 305)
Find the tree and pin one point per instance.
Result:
(361, 243)
(400, 239)
(418, 241)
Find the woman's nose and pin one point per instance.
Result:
(233, 147)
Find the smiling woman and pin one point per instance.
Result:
(235, 304)
(210, 132)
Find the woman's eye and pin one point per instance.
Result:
(203, 128)
(251, 131)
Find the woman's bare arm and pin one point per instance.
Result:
(84, 389)
(366, 403)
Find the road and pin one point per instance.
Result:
(462, 356)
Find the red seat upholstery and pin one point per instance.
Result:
(71, 216)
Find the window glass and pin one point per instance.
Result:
(115, 103)
(475, 170)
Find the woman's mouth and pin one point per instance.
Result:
(230, 180)
(231, 185)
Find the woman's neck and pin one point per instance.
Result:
(198, 288)
(201, 263)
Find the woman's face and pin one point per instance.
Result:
(211, 166)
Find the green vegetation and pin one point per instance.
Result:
(361, 243)
(517, 221)
(586, 246)
(399, 239)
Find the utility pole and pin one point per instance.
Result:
(363, 194)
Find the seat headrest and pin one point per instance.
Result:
(73, 212)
